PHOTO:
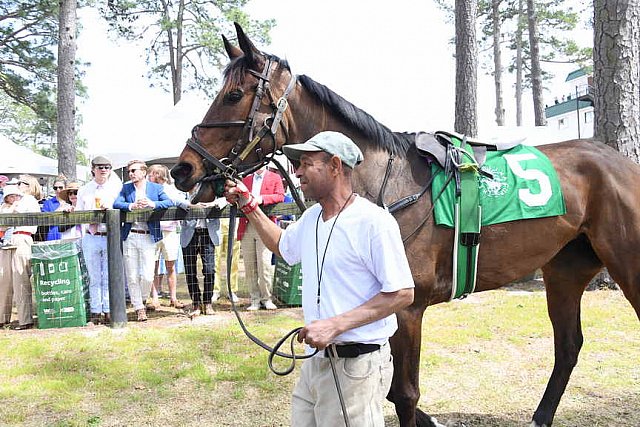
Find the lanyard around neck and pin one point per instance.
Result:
(320, 265)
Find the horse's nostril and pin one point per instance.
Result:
(181, 171)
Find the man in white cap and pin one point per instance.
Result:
(355, 277)
(99, 193)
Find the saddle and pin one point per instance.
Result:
(436, 144)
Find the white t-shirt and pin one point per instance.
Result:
(365, 256)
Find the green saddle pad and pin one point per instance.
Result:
(524, 186)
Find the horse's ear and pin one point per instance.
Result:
(232, 50)
(252, 54)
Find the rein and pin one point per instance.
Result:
(291, 335)
(217, 170)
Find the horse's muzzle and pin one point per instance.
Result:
(182, 175)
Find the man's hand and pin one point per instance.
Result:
(238, 193)
(319, 333)
(143, 203)
(147, 203)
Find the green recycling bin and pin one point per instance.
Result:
(58, 284)
(287, 283)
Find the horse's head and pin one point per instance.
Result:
(245, 124)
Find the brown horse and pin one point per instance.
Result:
(263, 105)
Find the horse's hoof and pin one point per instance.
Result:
(535, 424)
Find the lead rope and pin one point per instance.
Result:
(273, 351)
(333, 357)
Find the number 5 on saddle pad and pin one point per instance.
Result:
(522, 185)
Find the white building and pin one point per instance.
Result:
(572, 115)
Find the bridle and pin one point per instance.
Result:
(249, 140)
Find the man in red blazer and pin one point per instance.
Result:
(266, 186)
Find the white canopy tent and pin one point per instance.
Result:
(162, 141)
(16, 159)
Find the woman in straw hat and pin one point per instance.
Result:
(22, 239)
(9, 203)
(68, 200)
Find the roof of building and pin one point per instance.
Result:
(578, 73)
(565, 107)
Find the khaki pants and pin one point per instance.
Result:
(364, 380)
(257, 265)
(15, 280)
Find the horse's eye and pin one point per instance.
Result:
(234, 96)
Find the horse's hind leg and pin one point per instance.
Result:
(565, 277)
(624, 267)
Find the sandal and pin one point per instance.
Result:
(177, 304)
(152, 307)
(142, 315)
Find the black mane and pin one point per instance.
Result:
(378, 134)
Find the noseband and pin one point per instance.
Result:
(231, 166)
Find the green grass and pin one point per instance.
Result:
(485, 362)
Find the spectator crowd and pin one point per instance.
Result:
(152, 251)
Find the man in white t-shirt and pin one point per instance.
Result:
(355, 277)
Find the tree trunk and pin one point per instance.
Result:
(616, 58)
(536, 71)
(497, 61)
(177, 88)
(175, 48)
(519, 63)
(466, 115)
(66, 101)
(616, 76)
(602, 280)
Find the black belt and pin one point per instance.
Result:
(139, 231)
(353, 350)
(98, 233)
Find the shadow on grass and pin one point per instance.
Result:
(619, 411)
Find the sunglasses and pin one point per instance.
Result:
(133, 170)
(55, 187)
(103, 167)
(72, 193)
(23, 183)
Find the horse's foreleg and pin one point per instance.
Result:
(566, 277)
(405, 387)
